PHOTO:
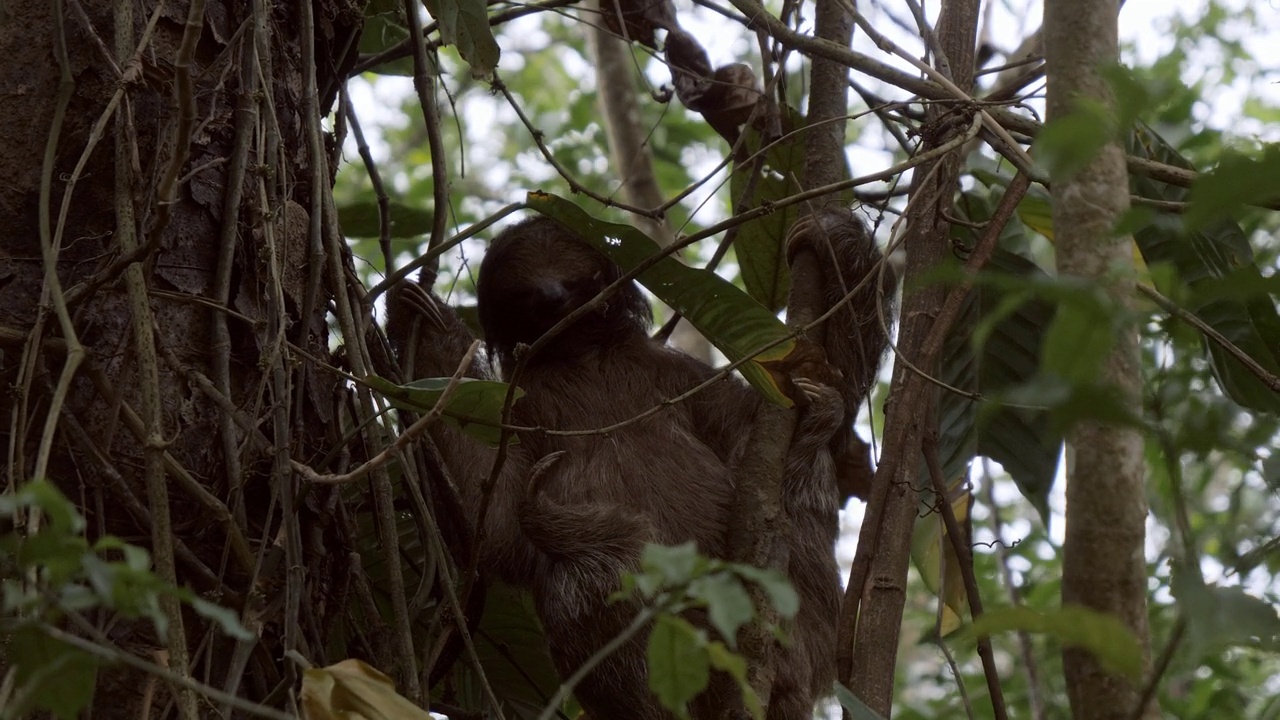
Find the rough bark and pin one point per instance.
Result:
(884, 544)
(828, 99)
(183, 295)
(1103, 566)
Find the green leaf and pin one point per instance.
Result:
(224, 617)
(1206, 258)
(55, 553)
(135, 558)
(50, 675)
(1238, 181)
(1220, 617)
(1078, 340)
(734, 664)
(62, 515)
(760, 245)
(1035, 210)
(994, 346)
(132, 593)
(1069, 143)
(512, 651)
(935, 558)
(679, 668)
(722, 658)
(732, 321)
(1132, 95)
(475, 408)
(361, 220)
(676, 565)
(957, 415)
(464, 24)
(1069, 403)
(1110, 641)
(385, 28)
(1020, 439)
(728, 604)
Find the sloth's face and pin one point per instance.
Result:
(538, 272)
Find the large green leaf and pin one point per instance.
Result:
(512, 650)
(49, 675)
(1237, 181)
(1220, 617)
(384, 28)
(475, 408)
(678, 664)
(1066, 145)
(1021, 440)
(1113, 644)
(761, 242)
(464, 24)
(994, 346)
(739, 326)
(957, 414)
(760, 245)
(1207, 258)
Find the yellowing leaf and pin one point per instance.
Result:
(1036, 212)
(352, 690)
(935, 559)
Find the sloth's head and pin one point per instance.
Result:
(536, 273)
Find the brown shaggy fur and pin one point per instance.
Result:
(666, 479)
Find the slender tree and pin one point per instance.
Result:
(1103, 566)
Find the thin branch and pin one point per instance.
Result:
(50, 249)
(185, 108)
(228, 242)
(1161, 667)
(964, 554)
(561, 170)
(375, 177)
(404, 48)
(1029, 664)
(1253, 366)
(638, 624)
(431, 118)
(148, 375)
(111, 654)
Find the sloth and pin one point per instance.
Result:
(567, 527)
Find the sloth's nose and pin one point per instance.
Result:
(553, 292)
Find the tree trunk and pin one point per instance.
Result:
(174, 241)
(879, 575)
(1103, 566)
